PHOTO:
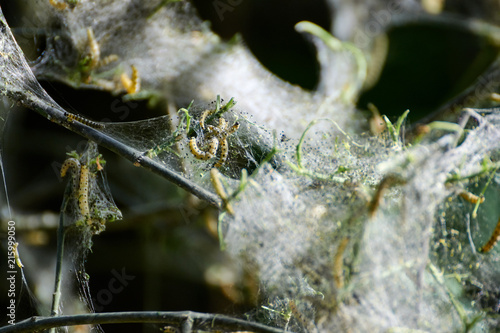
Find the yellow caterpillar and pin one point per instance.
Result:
(495, 237)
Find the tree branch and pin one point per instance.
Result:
(199, 321)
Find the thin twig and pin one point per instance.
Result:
(469, 235)
(483, 192)
(61, 233)
(58, 279)
(203, 321)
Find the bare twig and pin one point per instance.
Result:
(203, 321)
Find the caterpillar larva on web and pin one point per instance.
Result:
(217, 136)
(204, 116)
(107, 60)
(58, 5)
(224, 150)
(136, 80)
(75, 164)
(95, 50)
(202, 154)
(15, 252)
(220, 190)
(132, 85)
(338, 263)
(470, 197)
(495, 237)
(223, 153)
(70, 162)
(83, 191)
(74, 117)
(387, 182)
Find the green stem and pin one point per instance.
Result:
(446, 126)
(438, 276)
(56, 297)
(476, 207)
(220, 233)
(299, 168)
(485, 169)
(61, 233)
(337, 45)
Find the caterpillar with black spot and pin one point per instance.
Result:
(204, 116)
(70, 162)
(72, 117)
(224, 146)
(202, 154)
(83, 192)
(75, 164)
(495, 237)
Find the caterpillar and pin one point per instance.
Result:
(136, 80)
(95, 50)
(72, 117)
(83, 192)
(15, 252)
(224, 150)
(385, 183)
(219, 189)
(223, 153)
(495, 97)
(218, 136)
(470, 197)
(98, 163)
(233, 128)
(204, 154)
(495, 237)
(338, 263)
(204, 116)
(132, 85)
(58, 5)
(70, 162)
(80, 185)
(107, 60)
(75, 164)
(214, 130)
